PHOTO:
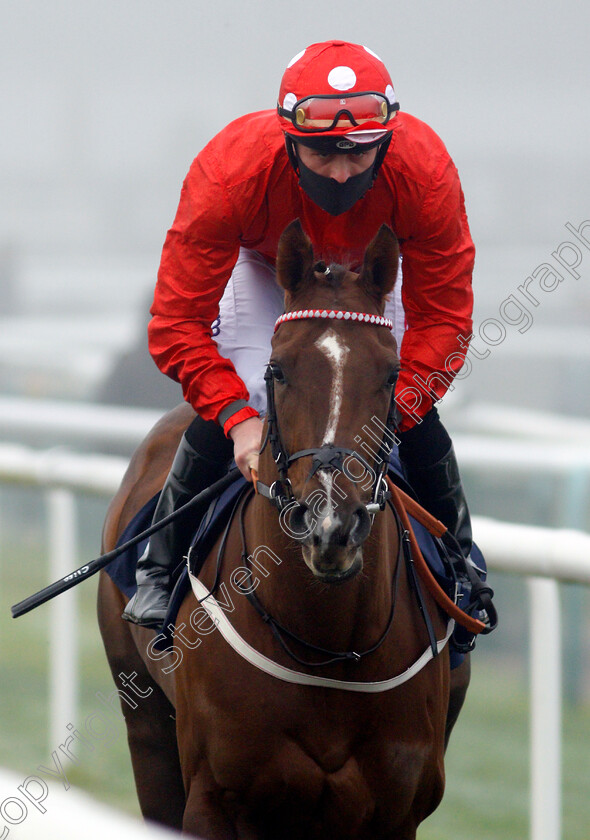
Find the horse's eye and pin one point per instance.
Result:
(392, 378)
(277, 373)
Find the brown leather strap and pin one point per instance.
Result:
(400, 500)
(420, 514)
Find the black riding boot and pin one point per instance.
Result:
(440, 491)
(427, 454)
(191, 473)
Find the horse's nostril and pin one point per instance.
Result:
(298, 522)
(360, 527)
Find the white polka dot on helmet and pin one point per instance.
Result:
(326, 70)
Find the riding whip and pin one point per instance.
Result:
(94, 566)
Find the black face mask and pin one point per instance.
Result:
(331, 196)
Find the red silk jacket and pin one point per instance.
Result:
(242, 191)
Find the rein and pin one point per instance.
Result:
(400, 501)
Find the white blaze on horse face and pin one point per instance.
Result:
(336, 351)
(332, 346)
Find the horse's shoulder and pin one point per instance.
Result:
(147, 471)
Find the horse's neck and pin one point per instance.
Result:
(343, 616)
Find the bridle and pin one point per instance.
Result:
(327, 457)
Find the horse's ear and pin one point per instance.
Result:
(380, 264)
(294, 257)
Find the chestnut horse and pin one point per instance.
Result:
(307, 714)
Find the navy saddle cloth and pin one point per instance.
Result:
(122, 569)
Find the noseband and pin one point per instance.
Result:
(327, 457)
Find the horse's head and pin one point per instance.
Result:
(330, 382)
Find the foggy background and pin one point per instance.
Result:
(103, 107)
(105, 104)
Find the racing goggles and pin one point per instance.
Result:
(328, 111)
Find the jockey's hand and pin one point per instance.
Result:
(247, 437)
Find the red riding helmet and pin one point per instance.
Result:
(336, 89)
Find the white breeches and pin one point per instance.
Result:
(250, 305)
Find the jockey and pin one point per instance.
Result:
(339, 155)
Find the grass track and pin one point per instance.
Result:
(487, 762)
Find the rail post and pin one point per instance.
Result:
(63, 620)
(545, 711)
